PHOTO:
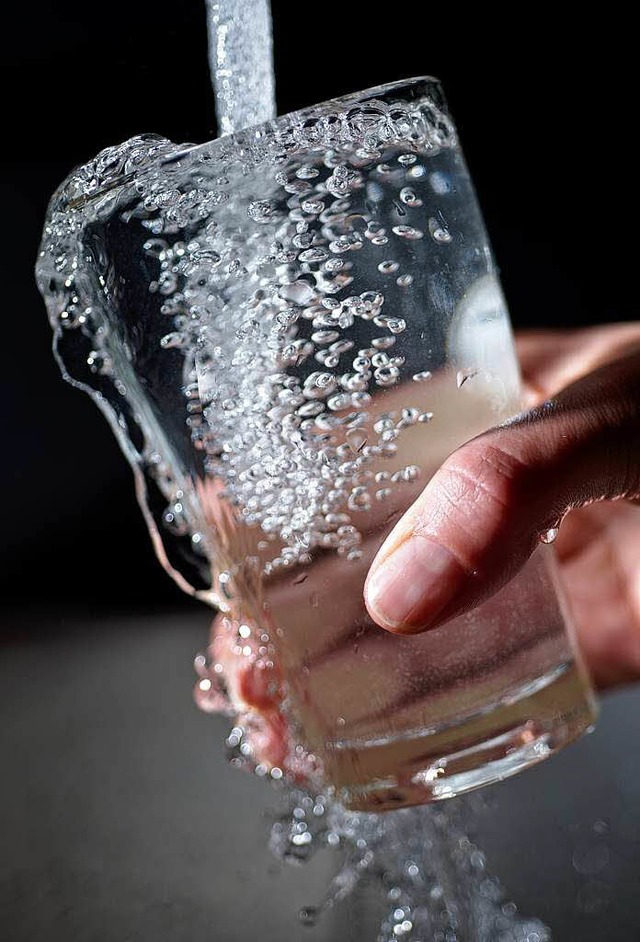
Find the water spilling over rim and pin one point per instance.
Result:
(409, 110)
(408, 113)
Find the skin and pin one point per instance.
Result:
(573, 456)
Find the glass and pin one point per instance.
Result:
(289, 329)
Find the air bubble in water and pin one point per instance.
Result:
(313, 255)
(299, 292)
(408, 232)
(357, 439)
(260, 210)
(463, 376)
(312, 207)
(409, 197)
(439, 231)
(404, 281)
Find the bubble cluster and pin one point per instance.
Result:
(289, 362)
(281, 268)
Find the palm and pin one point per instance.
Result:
(598, 546)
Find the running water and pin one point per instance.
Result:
(241, 63)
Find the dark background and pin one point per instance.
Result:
(545, 110)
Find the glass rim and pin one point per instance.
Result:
(423, 92)
(411, 110)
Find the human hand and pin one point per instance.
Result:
(482, 514)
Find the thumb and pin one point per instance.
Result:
(483, 512)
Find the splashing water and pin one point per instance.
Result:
(420, 863)
(241, 62)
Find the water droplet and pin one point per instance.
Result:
(422, 376)
(386, 375)
(388, 267)
(549, 535)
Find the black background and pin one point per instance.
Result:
(546, 108)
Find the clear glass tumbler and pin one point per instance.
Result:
(289, 329)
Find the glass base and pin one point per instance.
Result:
(520, 731)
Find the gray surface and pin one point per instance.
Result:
(120, 819)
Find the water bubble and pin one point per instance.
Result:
(396, 325)
(298, 292)
(409, 197)
(386, 375)
(307, 173)
(408, 232)
(312, 207)
(463, 376)
(260, 210)
(404, 281)
(313, 255)
(383, 343)
(302, 240)
(357, 439)
(439, 231)
(99, 362)
(325, 336)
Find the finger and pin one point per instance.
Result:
(553, 359)
(482, 514)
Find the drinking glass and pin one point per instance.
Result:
(289, 329)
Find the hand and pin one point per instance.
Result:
(576, 452)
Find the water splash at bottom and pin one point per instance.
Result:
(432, 878)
